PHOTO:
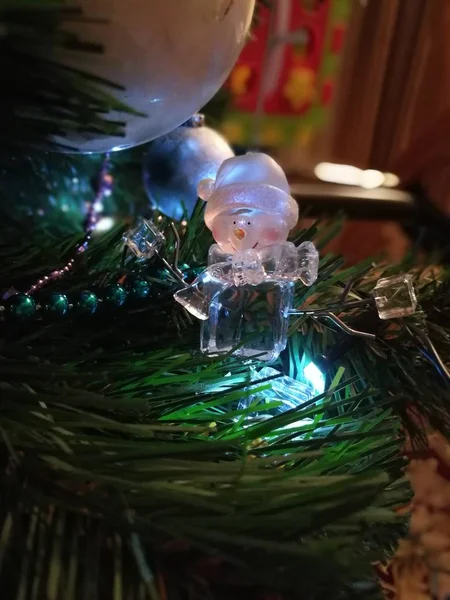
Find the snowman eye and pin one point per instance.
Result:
(248, 223)
(234, 222)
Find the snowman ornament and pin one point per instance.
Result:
(245, 294)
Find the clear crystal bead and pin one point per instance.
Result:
(395, 297)
(144, 240)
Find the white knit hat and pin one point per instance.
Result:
(253, 181)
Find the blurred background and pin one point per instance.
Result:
(352, 98)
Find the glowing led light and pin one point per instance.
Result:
(292, 393)
(391, 180)
(104, 224)
(343, 174)
(371, 179)
(314, 376)
(98, 206)
(349, 175)
(184, 223)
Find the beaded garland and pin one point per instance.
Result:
(24, 307)
(20, 307)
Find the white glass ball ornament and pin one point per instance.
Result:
(171, 57)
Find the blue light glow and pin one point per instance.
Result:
(290, 392)
(314, 376)
(119, 148)
(98, 206)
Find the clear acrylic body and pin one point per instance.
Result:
(251, 320)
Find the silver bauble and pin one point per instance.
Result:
(170, 56)
(175, 164)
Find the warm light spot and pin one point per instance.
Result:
(332, 173)
(391, 180)
(349, 175)
(371, 179)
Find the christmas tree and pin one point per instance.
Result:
(134, 465)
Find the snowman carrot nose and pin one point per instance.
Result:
(239, 233)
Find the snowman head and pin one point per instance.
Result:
(243, 229)
(248, 205)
